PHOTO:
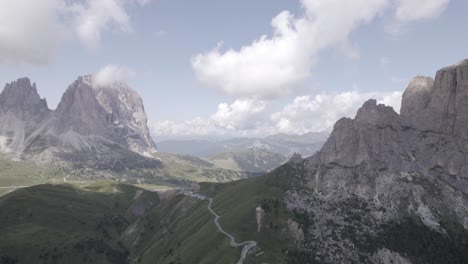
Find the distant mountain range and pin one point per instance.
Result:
(306, 145)
(251, 160)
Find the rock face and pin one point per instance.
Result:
(21, 112)
(417, 96)
(383, 169)
(22, 99)
(113, 113)
(89, 121)
(443, 106)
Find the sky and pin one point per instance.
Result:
(216, 68)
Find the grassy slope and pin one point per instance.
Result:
(24, 173)
(50, 223)
(225, 160)
(182, 231)
(193, 169)
(236, 202)
(95, 224)
(252, 160)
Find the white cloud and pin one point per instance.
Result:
(253, 118)
(142, 2)
(240, 115)
(30, 31)
(407, 11)
(320, 112)
(273, 66)
(413, 10)
(111, 74)
(34, 31)
(241, 118)
(95, 16)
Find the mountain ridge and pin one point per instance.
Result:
(391, 170)
(87, 119)
(283, 144)
(383, 189)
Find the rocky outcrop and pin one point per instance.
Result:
(21, 99)
(442, 108)
(416, 97)
(79, 111)
(127, 114)
(113, 113)
(21, 112)
(96, 126)
(381, 169)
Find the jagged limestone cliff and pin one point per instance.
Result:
(382, 169)
(93, 126)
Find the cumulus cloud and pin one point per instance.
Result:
(412, 10)
(320, 112)
(34, 31)
(272, 66)
(95, 16)
(240, 115)
(30, 31)
(111, 74)
(241, 118)
(252, 118)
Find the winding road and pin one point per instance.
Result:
(247, 245)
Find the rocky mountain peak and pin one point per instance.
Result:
(127, 113)
(437, 106)
(396, 166)
(376, 114)
(443, 107)
(98, 120)
(79, 111)
(416, 96)
(113, 112)
(22, 99)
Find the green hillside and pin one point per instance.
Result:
(236, 202)
(17, 174)
(184, 169)
(250, 160)
(50, 223)
(106, 222)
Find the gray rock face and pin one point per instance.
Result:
(416, 97)
(128, 117)
(88, 119)
(21, 98)
(447, 109)
(113, 113)
(382, 167)
(80, 111)
(21, 112)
